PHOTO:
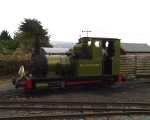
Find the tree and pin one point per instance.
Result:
(7, 44)
(4, 35)
(24, 40)
(29, 29)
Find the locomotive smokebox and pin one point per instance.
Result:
(39, 63)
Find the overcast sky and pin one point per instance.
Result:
(128, 20)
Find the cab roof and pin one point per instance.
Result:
(98, 39)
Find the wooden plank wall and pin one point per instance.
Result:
(128, 65)
(135, 65)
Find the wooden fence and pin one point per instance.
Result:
(135, 65)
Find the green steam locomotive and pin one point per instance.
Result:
(91, 61)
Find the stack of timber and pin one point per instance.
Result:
(128, 65)
(135, 65)
(143, 65)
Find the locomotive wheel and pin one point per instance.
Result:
(33, 85)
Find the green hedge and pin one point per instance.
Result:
(11, 64)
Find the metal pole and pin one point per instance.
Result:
(87, 31)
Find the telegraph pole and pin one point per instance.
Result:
(86, 31)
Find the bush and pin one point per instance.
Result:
(7, 46)
(10, 64)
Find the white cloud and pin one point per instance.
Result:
(65, 19)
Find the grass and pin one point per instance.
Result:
(5, 79)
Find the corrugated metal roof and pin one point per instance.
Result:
(127, 47)
(55, 50)
(135, 47)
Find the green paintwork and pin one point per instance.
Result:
(91, 66)
(57, 64)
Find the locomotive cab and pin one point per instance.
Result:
(111, 56)
(96, 57)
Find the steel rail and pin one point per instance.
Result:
(77, 107)
(71, 105)
(73, 109)
(82, 115)
(80, 109)
(74, 102)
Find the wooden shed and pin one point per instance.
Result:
(136, 61)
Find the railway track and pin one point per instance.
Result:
(51, 110)
(74, 116)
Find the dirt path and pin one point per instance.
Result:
(5, 85)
